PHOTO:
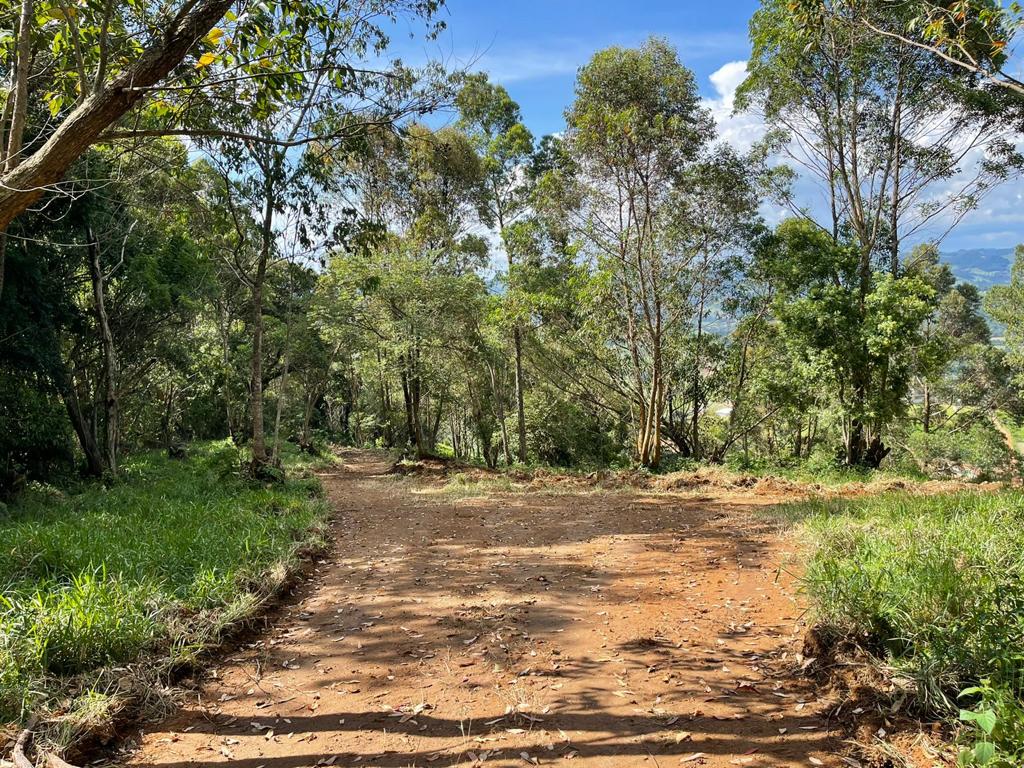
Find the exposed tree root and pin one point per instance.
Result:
(22, 761)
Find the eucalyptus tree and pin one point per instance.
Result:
(975, 36)
(1003, 303)
(284, 161)
(494, 123)
(660, 215)
(716, 222)
(410, 274)
(80, 74)
(879, 125)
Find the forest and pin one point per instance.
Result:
(245, 246)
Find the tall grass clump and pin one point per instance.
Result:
(154, 566)
(933, 585)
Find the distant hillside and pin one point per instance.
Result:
(984, 267)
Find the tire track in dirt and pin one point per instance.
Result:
(609, 629)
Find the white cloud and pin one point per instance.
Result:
(741, 130)
(1000, 219)
(726, 79)
(529, 63)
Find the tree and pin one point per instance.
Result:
(408, 278)
(860, 113)
(76, 70)
(660, 216)
(973, 35)
(306, 133)
(1003, 303)
(865, 341)
(495, 126)
(104, 70)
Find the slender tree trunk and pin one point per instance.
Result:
(926, 421)
(499, 403)
(86, 439)
(224, 331)
(110, 363)
(259, 446)
(517, 340)
(698, 349)
(407, 400)
(307, 419)
(283, 394)
(168, 419)
(416, 392)
(16, 111)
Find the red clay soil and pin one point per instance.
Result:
(610, 629)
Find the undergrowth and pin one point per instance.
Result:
(153, 567)
(934, 587)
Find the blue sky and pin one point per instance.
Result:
(534, 49)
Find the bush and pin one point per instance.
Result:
(564, 435)
(994, 732)
(34, 440)
(976, 453)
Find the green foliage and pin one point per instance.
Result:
(977, 452)
(934, 585)
(35, 443)
(864, 332)
(563, 434)
(102, 576)
(1003, 303)
(994, 727)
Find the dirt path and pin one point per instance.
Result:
(613, 629)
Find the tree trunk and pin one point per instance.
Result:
(695, 417)
(407, 400)
(259, 446)
(436, 428)
(499, 402)
(517, 339)
(167, 421)
(24, 184)
(16, 110)
(225, 360)
(110, 364)
(283, 394)
(307, 420)
(86, 439)
(926, 421)
(416, 392)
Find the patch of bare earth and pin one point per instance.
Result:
(619, 628)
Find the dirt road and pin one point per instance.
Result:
(610, 629)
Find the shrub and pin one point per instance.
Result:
(34, 438)
(994, 732)
(976, 453)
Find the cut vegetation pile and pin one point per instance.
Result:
(154, 568)
(933, 589)
(462, 479)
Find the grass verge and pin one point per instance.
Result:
(115, 585)
(933, 587)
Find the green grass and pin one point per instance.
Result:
(154, 567)
(934, 587)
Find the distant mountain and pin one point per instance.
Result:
(984, 267)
